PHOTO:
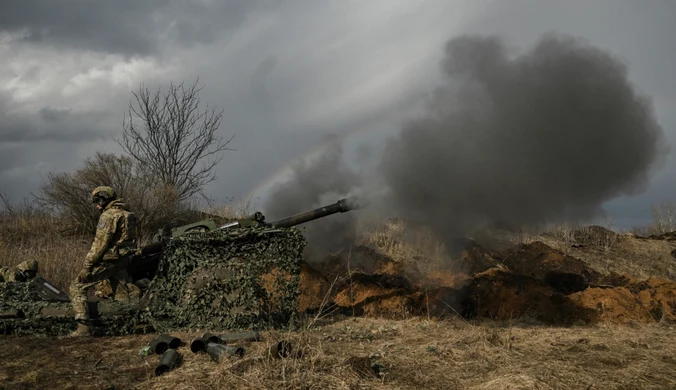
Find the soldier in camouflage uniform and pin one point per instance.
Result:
(23, 271)
(114, 244)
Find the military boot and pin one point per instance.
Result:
(81, 331)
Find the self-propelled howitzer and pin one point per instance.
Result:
(145, 263)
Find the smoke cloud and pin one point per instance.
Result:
(507, 140)
(546, 136)
(315, 184)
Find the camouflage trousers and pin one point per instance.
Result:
(11, 274)
(115, 279)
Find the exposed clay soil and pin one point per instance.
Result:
(532, 280)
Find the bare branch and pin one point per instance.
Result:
(6, 203)
(176, 141)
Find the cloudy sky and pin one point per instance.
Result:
(286, 73)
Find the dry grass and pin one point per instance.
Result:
(230, 210)
(605, 250)
(408, 354)
(400, 242)
(29, 235)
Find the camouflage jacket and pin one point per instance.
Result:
(115, 234)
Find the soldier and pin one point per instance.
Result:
(22, 272)
(114, 244)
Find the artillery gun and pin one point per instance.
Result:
(242, 274)
(144, 264)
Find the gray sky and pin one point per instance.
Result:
(287, 73)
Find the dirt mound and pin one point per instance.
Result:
(532, 280)
(659, 299)
(613, 305)
(503, 295)
(645, 301)
(564, 273)
(313, 287)
(614, 279)
(367, 260)
(474, 258)
(444, 278)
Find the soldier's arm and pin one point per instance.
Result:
(104, 237)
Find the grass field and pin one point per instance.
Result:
(350, 352)
(367, 353)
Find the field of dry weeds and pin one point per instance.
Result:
(367, 353)
(403, 333)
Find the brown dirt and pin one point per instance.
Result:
(532, 280)
(394, 305)
(546, 264)
(446, 279)
(359, 292)
(313, 288)
(617, 305)
(474, 258)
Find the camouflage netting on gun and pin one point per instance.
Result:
(231, 279)
(24, 312)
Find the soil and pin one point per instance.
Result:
(531, 280)
(313, 288)
(550, 266)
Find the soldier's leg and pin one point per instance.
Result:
(78, 295)
(78, 298)
(125, 290)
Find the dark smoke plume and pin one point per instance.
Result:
(546, 136)
(549, 135)
(315, 184)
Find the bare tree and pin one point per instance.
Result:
(173, 138)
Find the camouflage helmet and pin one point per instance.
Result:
(28, 267)
(103, 192)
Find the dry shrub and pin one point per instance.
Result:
(664, 218)
(30, 233)
(156, 204)
(603, 249)
(230, 211)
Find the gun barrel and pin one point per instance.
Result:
(340, 206)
